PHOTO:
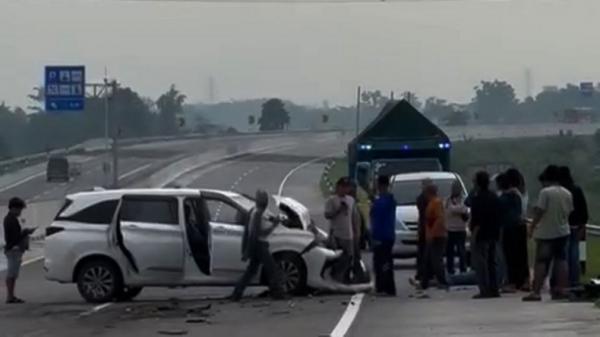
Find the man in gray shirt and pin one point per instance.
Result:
(550, 229)
(342, 213)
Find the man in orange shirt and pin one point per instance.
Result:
(435, 236)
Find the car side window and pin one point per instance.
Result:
(100, 213)
(150, 210)
(223, 212)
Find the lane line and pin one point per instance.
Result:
(134, 171)
(22, 181)
(345, 322)
(295, 169)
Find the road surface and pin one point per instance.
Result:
(57, 310)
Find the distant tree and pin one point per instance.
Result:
(456, 117)
(274, 115)
(413, 99)
(170, 104)
(495, 101)
(373, 99)
(437, 108)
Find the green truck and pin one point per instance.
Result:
(399, 140)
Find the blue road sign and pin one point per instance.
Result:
(64, 88)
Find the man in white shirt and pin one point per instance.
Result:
(550, 229)
(342, 213)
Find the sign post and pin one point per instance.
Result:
(64, 88)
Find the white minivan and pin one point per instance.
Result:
(113, 243)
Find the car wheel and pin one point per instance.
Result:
(99, 281)
(128, 293)
(293, 273)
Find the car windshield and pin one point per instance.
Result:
(406, 192)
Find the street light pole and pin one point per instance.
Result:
(106, 165)
(357, 111)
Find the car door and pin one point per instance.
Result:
(151, 238)
(198, 251)
(227, 223)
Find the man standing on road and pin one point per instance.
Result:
(435, 236)
(255, 247)
(457, 215)
(485, 230)
(577, 221)
(341, 211)
(383, 224)
(421, 242)
(550, 229)
(16, 241)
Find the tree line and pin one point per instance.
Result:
(130, 115)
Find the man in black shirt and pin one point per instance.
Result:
(15, 240)
(485, 228)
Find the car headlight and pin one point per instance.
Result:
(400, 225)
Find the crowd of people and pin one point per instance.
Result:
(495, 222)
(500, 227)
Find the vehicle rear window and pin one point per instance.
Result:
(67, 203)
(101, 213)
(406, 192)
(150, 210)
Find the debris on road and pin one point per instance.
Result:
(261, 305)
(175, 332)
(197, 320)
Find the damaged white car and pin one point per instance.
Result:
(113, 243)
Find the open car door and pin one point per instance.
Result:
(198, 233)
(148, 233)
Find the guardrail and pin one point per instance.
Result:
(593, 230)
(38, 157)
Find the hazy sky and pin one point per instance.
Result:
(307, 52)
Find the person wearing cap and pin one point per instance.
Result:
(341, 211)
(255, 247)
(16, 240)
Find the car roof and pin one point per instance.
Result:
(229, 194)
(117, 193)
(435, 175)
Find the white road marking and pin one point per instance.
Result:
(345, 322)
(22, 181)
(96, 309)
(134, 171)
(292, 171)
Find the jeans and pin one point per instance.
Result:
(486, 266)
(421, 246)
(383, 263)
(260, 256)
(434, 262)
(456, 247)
(573, 258)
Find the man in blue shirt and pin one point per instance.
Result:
(383, 224)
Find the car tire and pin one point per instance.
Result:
(99, 281)
(293, 273)
(127, 294)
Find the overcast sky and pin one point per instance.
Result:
(307, 52)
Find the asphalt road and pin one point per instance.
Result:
(55, 309)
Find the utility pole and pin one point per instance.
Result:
(115, 144)
(106, 164)
(357, 110)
